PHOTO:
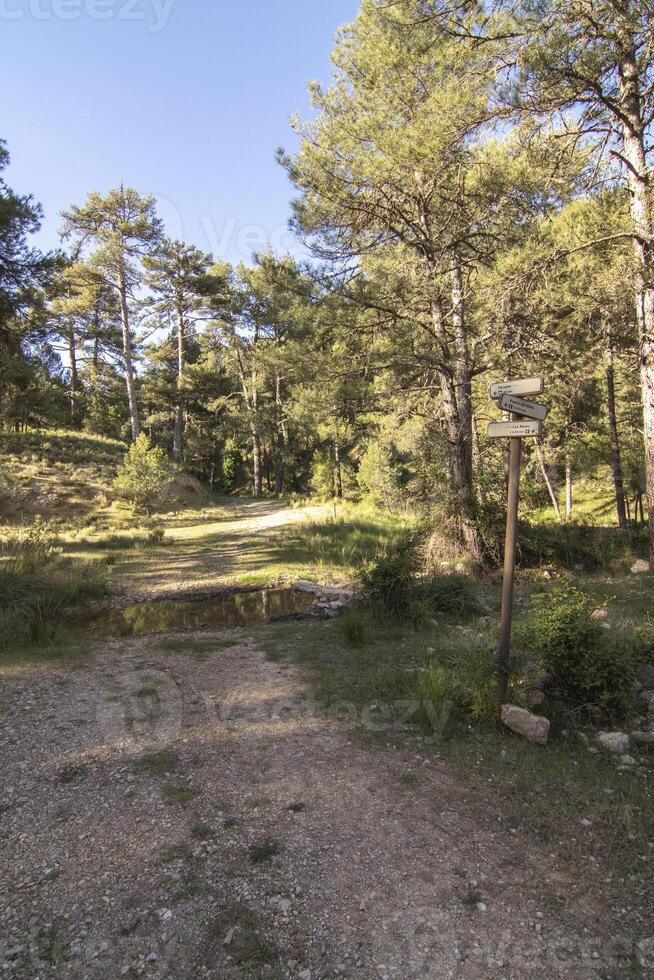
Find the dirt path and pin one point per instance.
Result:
(185, 816)
(205, 553)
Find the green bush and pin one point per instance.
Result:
(390, 578)
(145, 472)
(590, 668)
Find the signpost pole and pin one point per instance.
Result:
(509, 568)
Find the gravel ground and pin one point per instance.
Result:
(165, 816)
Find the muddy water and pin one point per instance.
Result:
(224, 611)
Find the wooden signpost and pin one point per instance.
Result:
(527, 421)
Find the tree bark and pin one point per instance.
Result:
(639, 188)
(568, 486)
(280, 449)
(547, 481)
(74, 379)
(337, 468)
(616, 457)
(178, 428)
(455, 397)
(127, 358)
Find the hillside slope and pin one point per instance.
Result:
(65, 475)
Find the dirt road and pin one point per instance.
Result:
(188, 814)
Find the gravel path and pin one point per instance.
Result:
(169, 816)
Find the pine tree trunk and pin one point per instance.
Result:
(616, 458)
(568, 486)
(547, 481)
(74, 380)
(127, 358)
(639, 187)
(178, 428)
(280, 449)
(455, 397)
(337, 468)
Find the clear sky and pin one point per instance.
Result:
(184, 99)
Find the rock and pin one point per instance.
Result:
(640, 567)
(645, 676)
(647, 698)
(616, 742)
(586, 822)
(599, 614)
(644, 739)
(532, 727)
(627, 760)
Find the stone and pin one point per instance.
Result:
(532, 727)
(640, 567)
(647, 697)
(598, 614)
(644, 739)
(627, 760)
(645, 676)
(616, 742)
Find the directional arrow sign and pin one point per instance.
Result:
(513, 430)
(520, 386)
(530, 410)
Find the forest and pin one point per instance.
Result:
(474, 190)
(301, 676)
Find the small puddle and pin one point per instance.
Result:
(224, 611)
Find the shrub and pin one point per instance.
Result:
(590, 668)
(390, 578)
(145, 472)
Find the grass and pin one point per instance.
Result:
(178, 793)
(196, 646)
(202, 831)
(264, 850)
(157, 763)
(248, 945)
(545, 791)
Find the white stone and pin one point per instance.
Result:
(640, 567)
(532, 727)
(616, 742)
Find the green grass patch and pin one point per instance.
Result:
(180, 794)
(157, 763)
(241, 933)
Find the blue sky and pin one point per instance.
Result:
(184, 99)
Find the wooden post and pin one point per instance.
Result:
(510, 543)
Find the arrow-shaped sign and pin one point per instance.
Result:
(514, 430)
(519, 386)
(519, 406)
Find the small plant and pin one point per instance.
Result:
(202, 831)
(589, 668)
(157, 763)
(145, 473)
(264, 850)
(390, 578)
(178, 793)
(353, 626)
